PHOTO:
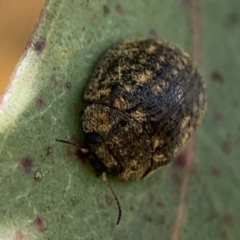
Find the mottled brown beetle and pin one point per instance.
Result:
(146, 99)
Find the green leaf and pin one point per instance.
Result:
(46, 193)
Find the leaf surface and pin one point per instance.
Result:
(47, 193)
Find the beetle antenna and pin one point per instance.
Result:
(104, 177)
(67, 142)
(83, 150)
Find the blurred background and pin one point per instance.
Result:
(17, 20)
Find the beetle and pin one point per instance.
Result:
(145, 101)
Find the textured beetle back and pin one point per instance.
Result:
(146, 99)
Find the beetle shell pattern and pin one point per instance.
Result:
(146, 99)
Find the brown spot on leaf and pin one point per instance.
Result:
(38, 224)
(73, 149)
(160, 204)
(109, 200)
(228, 219)
(153, 33)
(119, 9)
(39, 102)
(70, 148)
(230, 22)
(39, 45)
(185, 155)
(49, 150)
(147, 218)
(81, 157)
(106, 9)
(68, 85)
(217, 77)
(26, 163)
(224, 235)
(217, 116)
(226, 147)
(74, 138)
(215, 171)
(180, 161)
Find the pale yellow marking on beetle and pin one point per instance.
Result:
(185, 122)
(138, 115)
(120, 103)
(159, 158)
(144, 77)
(152, 49)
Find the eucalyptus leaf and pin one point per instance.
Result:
(47, 193)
